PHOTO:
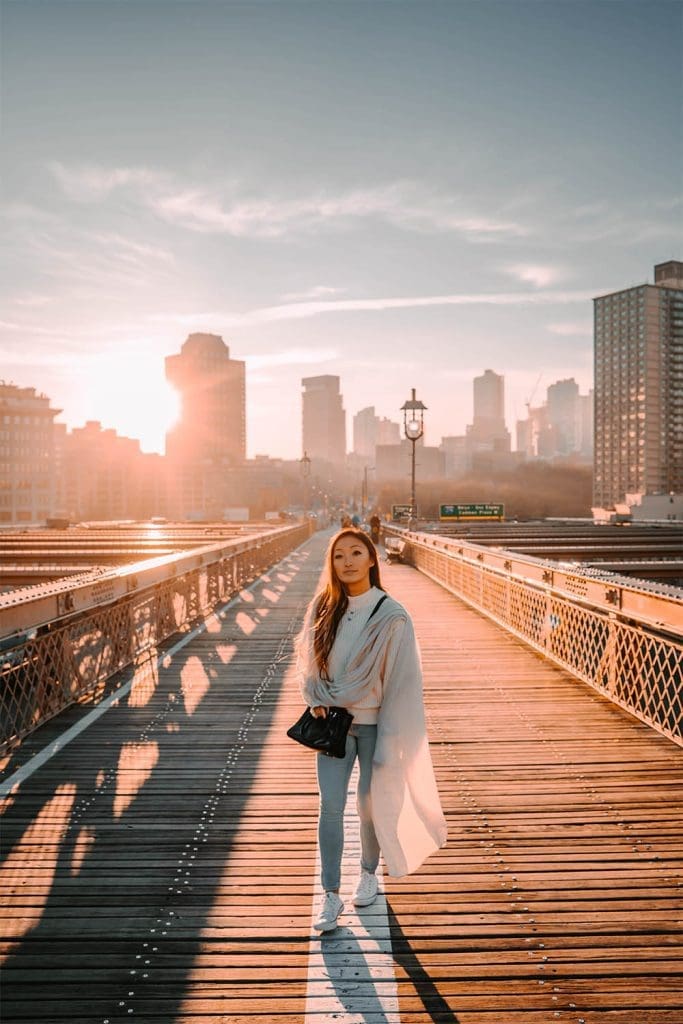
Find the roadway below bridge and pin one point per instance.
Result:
(36, 556)
(638, 550)
(159, 858)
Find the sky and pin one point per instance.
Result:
(400, 193)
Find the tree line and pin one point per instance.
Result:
(530, 491)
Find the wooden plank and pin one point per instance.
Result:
(553, 780)
(190, 814)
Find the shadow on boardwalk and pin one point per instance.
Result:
(175, 825)
(435, 1006)
(355, 987)
(114, 849)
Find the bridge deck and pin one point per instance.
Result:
(161, 866)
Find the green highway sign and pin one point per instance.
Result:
(477, 511)
(401, 512)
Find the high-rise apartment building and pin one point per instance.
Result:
(212, 422)
(103, 474)
(27, 464)
(365, 425)
(562, 426)
(488, 432)
(370, 430)
(456, 457)
(563, 415)
(638, 336)
(323, 419)
(388, 431)
(489, 397)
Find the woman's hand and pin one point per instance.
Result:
(319, 711)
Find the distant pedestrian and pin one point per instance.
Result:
(358, 650)
(375, 524)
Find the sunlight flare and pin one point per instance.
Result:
(44, 837)
(136, 763)
(194, 684)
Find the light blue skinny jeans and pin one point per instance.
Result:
(333, 782)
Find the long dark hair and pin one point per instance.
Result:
(332, 601)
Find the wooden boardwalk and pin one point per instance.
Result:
(160, 867)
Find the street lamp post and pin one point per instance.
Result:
(413, 424)
(364, 495)
(305, 464)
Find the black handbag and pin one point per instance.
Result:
(328, 735)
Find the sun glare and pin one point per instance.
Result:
(134, 399)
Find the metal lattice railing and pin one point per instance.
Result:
(51, 664)
(625, 643)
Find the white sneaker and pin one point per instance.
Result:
(366, 889)
(330, 909)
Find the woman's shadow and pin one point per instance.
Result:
(351, 979)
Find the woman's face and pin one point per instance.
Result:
(352, 562)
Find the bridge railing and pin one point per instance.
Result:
(61, 642)
(622, 639)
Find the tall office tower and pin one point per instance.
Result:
(487, 430)
(456, 458)
(563, 426)
(212, 423)
(563, 415)
(27, 468)
(365, 426)
(388, 431)
(323, 419)
(639, 389)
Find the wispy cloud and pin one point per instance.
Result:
(228, 210)
(212, 320)
(129, 250)
(31, 301)
(537, 274)
(630, 222)
(295, 311)
(571, 329)
(318, 292)
(266, 218)
(18, 214)
(400, 204)
(33, 329)
(222, 319)
(89, 183)
(68, 254)
(291, 357)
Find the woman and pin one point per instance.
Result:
(358, 650)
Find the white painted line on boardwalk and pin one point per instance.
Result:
(39, 759)
(351, 969)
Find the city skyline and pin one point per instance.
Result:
(388, 426)
(264, 173)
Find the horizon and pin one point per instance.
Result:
(401, 195)
(58, 420)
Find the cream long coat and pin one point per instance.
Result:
(406, 809)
